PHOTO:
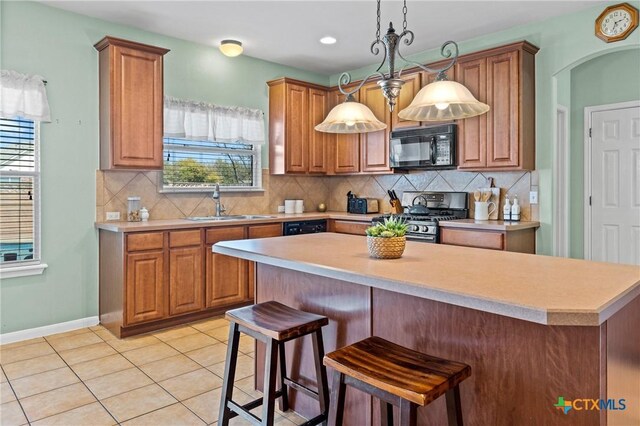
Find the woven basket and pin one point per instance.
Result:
(386, 248)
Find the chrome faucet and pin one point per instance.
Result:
(216, 198)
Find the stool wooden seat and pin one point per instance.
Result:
(397, 376)
(274, 324)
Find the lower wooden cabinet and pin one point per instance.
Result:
(145, 292)
(348, 226)
(523, 241)
(185, 280)
(226, 280)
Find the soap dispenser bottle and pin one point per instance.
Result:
(506, 210)
(515, 210)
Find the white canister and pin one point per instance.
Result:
(289, 206)
(483, 211)
(299, 206)
(144, 214)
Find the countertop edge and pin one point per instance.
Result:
(489, 225)
(167, 224)
(525, 313)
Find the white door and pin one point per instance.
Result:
(615, 185)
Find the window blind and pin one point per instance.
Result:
(200, 164)
(19, 178)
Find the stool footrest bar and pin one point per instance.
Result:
(297, 386)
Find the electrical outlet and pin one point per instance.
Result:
(113, 215)
(533, 197)
(280, 209)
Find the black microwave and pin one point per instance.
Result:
(423, 148)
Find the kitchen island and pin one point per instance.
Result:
(533, 328)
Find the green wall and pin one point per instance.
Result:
(564, 42)
(607, 79)
(58, 45)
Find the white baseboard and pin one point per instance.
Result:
(18, 336)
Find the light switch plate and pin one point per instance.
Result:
(113, 215)
(533, 197)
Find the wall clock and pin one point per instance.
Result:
(616, 22)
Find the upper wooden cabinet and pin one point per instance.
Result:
(295, 108)
(344, 149)
(410, 88)
(131, 102)
(374, 146)
(504, 138)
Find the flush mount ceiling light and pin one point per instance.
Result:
(440, 100)
(231, 48)
(328, 40)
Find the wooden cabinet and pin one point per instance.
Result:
(504, 138)
(523, 241)
(131, 104)
(186, 272)
(345, 148)
(260, 231)
(411, 87)
(348, 226)
(145, 291)
(374, 146)
(318, 110)
(295, 108)
(226, 277)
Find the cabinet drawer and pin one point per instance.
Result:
(350, 227)
(265, 231)
(224, 234)
(470, 238)
(184, 238)
(145, 241)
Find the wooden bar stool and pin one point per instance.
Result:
(397, 376)
(274, 324)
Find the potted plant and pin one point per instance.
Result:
(386, 240)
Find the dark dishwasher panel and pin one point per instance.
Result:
(304, 227)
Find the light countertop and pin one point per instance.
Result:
(489, 225)
(541, 289)
(168, 224)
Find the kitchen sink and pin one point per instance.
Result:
(230, 217)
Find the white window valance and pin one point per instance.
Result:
(204, 121)
(23, 95)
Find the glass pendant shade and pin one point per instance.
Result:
(443, 101)
(350, 117)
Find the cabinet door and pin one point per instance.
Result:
(226, 277)
(411, 87)
(185, 280)
(503, 83)
(297, 129)
(345, 146)
(430, 77)
(260, 231)
(136, 109)
(318, 108)
(375, 145)
(472, 132)
(145, 287)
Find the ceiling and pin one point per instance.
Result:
(288, 32)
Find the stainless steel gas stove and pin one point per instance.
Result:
(424, 210)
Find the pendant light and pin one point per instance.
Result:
(438, 101)
(350, 117)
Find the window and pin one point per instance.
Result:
(19, 196)
(197, 165)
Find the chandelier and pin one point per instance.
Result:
(441, 100)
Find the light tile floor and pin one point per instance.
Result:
(89, 377)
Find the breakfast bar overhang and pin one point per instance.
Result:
(532, 328)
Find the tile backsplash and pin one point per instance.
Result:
(113, 188)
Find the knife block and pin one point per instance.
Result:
(396, 207)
